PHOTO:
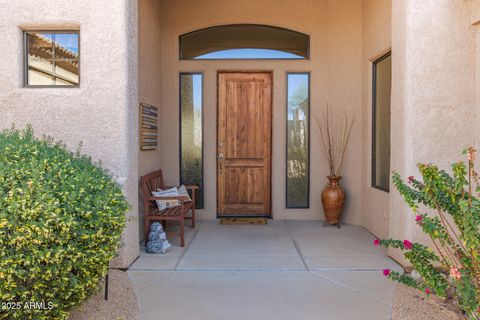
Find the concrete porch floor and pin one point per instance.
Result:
(283, 270)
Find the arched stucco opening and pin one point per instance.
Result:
(264, 41)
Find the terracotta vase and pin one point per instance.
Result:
(333, 199)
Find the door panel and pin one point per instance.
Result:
(244, 144)
(243, 185)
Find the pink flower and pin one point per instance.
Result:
(419, 219)
(407, 245)
(427, 291)
(410, 179)
(386, 272)
(455, 273)
(472, 153)
(376, 242)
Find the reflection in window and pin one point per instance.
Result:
(298, 136)
(52, 58)
(244, 41)
(382, 84)
(249, 54)
(191, 132)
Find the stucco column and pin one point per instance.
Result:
(433, 94)
(129, 249)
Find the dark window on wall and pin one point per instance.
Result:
(244, 41)
(381, 97)
(298, 140)
(52, 58)
(191, 132)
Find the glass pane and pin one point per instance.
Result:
(52, 58)
(382, 92)
(298, 117)
(66, 58)
(249, 54)
(244, 42)
(68, 44)
(40, 59)
(191, 140)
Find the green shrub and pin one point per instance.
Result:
(61, 218)
(452, 270)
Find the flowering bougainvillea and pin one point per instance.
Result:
(450, 268)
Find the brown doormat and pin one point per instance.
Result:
(243, 221)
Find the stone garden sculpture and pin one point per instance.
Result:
(157, 239)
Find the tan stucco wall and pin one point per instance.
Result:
(101, 113)
(149, 81)
(336, 74)
(433, 99)
(475, 20)
(376, 16)
(435, 89)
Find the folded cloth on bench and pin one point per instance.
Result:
(164, 204)
(172, 192)
(182, 191)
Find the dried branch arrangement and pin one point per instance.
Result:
(334, 139)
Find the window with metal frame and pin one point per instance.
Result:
(381, 110)
(298, 140)
(191, 132)
(52, 58)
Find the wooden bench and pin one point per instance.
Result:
(152, 182)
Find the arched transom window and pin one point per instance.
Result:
(244, 41)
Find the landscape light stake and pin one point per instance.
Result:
(106, 286)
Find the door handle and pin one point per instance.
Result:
(220, 160)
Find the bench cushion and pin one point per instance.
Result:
(164, 204)
(182, 191)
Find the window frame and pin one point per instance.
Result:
(181, 58)
(308, 73)
(25, 57)
(374, 123)
(202, 74)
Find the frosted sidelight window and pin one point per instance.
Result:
(298, 140)
(381, 96)
(191, 132)
(52, 58)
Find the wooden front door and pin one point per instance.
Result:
(244, 144)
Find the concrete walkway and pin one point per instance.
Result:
(283, 270)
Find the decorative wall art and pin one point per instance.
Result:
(148, 127)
